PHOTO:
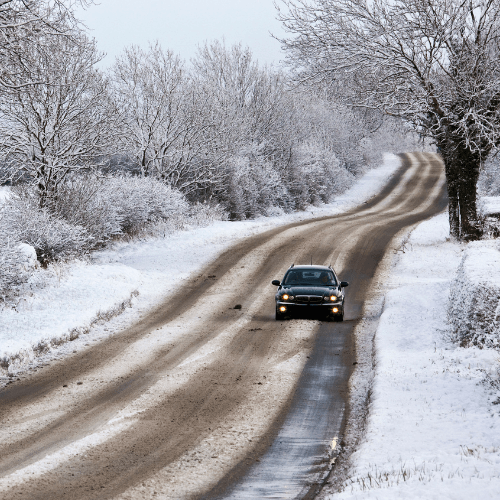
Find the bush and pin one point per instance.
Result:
(113, 205)
(489, 178)
(84, 201)
(141, 200)
(254, 187)
(319, 175)
(88, 211)
(53, 238)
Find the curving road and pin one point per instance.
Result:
(202, 400)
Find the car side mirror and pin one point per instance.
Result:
(276, 283)
(344, 284)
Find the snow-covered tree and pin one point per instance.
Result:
(434, 63)
(247, 112)
(63, 123)
(21, 24)
(246, 103)
(159, 128)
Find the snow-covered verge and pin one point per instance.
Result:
(432, 426)
(69, 299)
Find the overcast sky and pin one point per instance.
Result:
(181, 25)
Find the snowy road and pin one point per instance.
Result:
(199, 398)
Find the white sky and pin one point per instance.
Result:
(181, 25)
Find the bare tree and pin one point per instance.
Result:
(162, 116)
(246, 108)
(21, 24)
(185, 126)
(51, 129)
(247, 101)
(434, 63)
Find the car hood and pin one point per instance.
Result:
(311, 290)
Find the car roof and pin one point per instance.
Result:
(308, 267)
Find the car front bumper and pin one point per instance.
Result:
(326, 308)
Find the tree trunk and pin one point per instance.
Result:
(453, 208)
(42, 186)
(462, 173)
(468, 167)
(470, 229)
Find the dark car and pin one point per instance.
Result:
(310, 289)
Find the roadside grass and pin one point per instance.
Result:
(423, 472)
(394, 477)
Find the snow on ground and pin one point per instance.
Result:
(432, 429)
(489, 208)
(4, 193)
(70, 297)
(490, 205)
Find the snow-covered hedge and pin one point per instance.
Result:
(256, 186)
(474, 304)
(489, 177)
(21, 221)
(87, 212)
(489, 210)
(320, 176)
(114, 205)
(140, 200)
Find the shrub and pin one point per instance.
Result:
(84, 201)
(254, 186)
(489, 178)
(113, 205)
(88, 211)
(53, 238)
(319, 175)
(141, 200)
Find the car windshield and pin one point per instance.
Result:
(317, 277)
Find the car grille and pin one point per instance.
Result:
(308, 299)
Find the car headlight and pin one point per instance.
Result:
(331, 298)
(285, 296)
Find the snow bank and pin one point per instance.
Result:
(490, 205)
(27, 256)
(434, 413)
(68, 298)
(369, 185)
(474, 308)
(4, 194)
(489, 208)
